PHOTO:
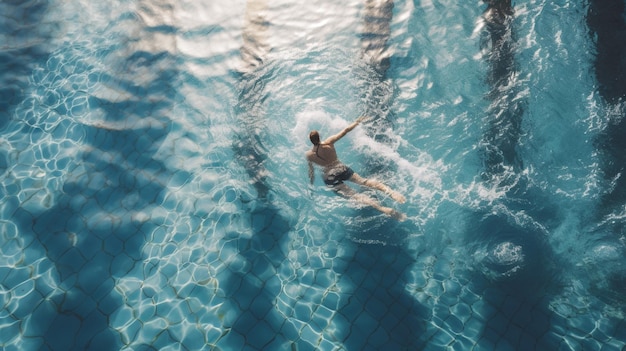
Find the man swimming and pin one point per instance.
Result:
(324, 154)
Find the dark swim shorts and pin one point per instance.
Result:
(337, 175)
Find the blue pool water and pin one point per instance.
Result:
(155, 194)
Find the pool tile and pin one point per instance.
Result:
(261, 306)
(10, 329)
(378, 339)
(64, 324)
(303, 311)
(612, 345)
(441, 338)
(453, 324)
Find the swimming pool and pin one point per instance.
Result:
(155, 193)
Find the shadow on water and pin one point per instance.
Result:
(377, 90)
(375, 35)
(515, 275)
(253, 289)
(607, 24)
(381, 314)
(500, 140)
(248, 144)
(26, 46)
(605, 19)
(91, 233)
(107, 245)
(514, 263)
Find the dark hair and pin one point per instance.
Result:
(314, 136)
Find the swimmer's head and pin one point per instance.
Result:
(314, 136)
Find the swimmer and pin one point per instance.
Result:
(324, 154)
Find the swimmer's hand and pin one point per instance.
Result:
(363, 119)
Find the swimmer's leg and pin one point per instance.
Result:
(348, 192)
(374, 184)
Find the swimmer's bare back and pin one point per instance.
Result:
(323, 155)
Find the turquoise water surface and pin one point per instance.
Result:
(155, 193)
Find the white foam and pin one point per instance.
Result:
(306, 121)
(508, 253)
(418, 177)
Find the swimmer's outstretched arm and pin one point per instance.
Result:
(333, 139)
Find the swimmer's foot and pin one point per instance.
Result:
(401, 217)
(397, 197)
